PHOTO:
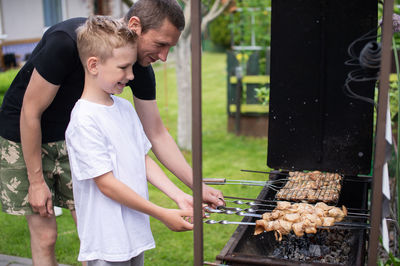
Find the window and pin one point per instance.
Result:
(52, 12)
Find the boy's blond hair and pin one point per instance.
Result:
(99, 35)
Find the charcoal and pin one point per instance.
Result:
(321, 247)
(315, 250)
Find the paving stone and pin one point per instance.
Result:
(6, 260)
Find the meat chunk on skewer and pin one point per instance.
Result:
(282, 205)
(328, 221)
(298, 228)
(311, 186)
(299, 217)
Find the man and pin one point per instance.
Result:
(35, 113)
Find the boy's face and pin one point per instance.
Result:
(154, 44)
(116, 71)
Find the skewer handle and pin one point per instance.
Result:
(214, 180)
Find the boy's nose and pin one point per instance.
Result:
(130, 75)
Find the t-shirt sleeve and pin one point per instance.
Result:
(144, 84)
(57, 58)
(146, 142)
(87, 151)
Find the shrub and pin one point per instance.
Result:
(219, 31)
(5, 81)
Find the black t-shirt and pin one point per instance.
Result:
(56, 59)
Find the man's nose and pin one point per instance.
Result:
(163, 54)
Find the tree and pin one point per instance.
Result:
(211, 10)
(183, 73)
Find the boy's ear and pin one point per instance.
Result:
(91, 65)
(135, 25)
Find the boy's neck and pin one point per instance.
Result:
(92, 95)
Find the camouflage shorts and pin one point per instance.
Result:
(14, 181)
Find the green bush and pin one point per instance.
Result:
(219, 31)
(5, 81)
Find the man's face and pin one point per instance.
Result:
(154, 44)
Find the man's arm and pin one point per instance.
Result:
(38, 96)
(166, 150)
(118, 191)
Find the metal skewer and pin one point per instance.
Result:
(253, 202)
(349, 214)
(336, 225)
(224, 181)
(249, 203)
(286, 172)
(264, 172)
(245, 212)
(227, 222)
(241, 198)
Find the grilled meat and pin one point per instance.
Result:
(299, 217)
(312, 186)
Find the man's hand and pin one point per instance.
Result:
(38, 96)
(212, 197)
(40, 198)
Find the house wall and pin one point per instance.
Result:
(22, 22)
(118, 8)
(22, 19)
(1, 21)
(75, 8)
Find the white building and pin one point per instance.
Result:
(23, 22)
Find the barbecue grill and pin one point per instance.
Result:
(339, 246)
(315, 125)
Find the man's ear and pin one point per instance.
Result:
(135, 25)
(91, 65)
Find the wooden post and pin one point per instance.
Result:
(379, 159)
(196, 131)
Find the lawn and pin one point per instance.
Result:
(224, 155)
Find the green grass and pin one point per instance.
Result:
(224, 155)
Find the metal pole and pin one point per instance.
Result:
(238, 100)
(196, 131)
(379, 159)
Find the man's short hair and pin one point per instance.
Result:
(152, 13)
(100, 35)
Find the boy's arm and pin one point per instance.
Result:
(158, 178)
(166, 150)
(38, 96)
(118, 191)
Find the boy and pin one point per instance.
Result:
(107, 150)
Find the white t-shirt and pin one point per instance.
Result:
(101, 139)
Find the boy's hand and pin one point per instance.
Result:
(185, 202)
(175, 219)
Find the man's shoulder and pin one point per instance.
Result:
(144, 84)
(143, 69)
(68, 26)
(69, 23)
